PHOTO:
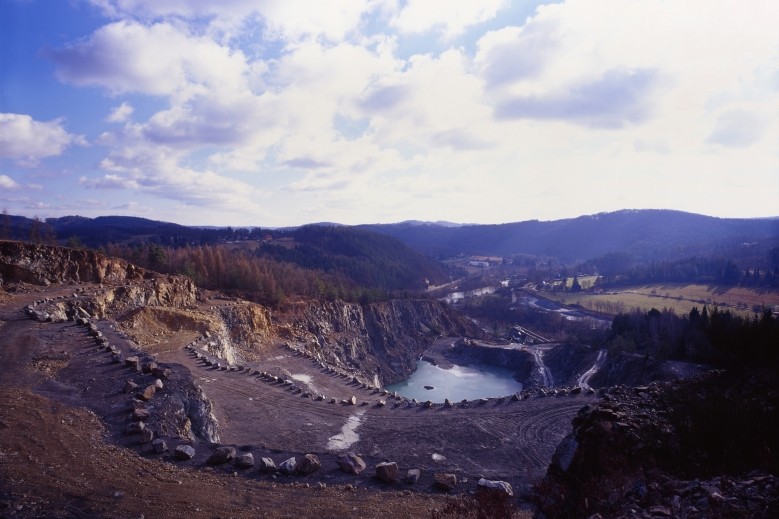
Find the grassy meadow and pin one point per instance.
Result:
(680, 297)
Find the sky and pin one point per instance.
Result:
(285, 112)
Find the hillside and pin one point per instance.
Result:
(369, 259)
(646, 234)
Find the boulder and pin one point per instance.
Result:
(132, 361)
(147, 435)
(447, 403)
(184, 452)
(353, 400)
(139, 415)
(308, 465)
(129, 387)
(412, 476)
(387, 472)
(221, 455)
(267, 465)
(135, 427)
(147, 367)
(245, 460)
(159, 445)
(162, 373)
(287, 467)
(494, 488)
(158, 383)
(148, 393)
(445, 481)
(350, 463)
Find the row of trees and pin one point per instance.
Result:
(616, 269)
(717, 336)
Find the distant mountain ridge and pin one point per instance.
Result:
(646, 234)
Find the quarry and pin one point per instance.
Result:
(146, 385)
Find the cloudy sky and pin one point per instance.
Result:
(283, 112)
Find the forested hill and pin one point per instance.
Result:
(367, 258)
(645, 234)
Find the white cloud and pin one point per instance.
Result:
(118, 57)
(26, 140)
(289, 20)
(120, 113)
(330, 105)
(7, 182)
(450, 17)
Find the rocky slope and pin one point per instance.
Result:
(381, 340)
(43, 265)
(705, 447)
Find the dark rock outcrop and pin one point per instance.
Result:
(705, 447)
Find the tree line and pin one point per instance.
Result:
(260, 279)
(616, 269)
(719, 337)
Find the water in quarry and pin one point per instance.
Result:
(458, 383)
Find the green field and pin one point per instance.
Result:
(680, 297)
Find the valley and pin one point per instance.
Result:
(295, 401)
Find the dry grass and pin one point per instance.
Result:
(680, 297)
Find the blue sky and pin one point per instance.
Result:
(284, 112)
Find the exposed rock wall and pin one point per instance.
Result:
(247, 324)
(44, 264)
(381, 340)
(520, 361)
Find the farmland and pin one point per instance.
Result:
(680, 297)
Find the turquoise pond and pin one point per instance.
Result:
(458, 383)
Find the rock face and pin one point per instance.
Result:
(43, 265)
(380, 339)
(704, 447)
(350, 463)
